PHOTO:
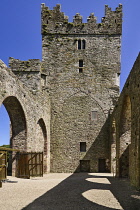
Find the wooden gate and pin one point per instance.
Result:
(3, 162)
(3, 165)
(30, 164)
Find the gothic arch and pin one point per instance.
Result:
(113, 147)
(71, 127)
(125, 118)
(100, 104)
(18, 131)
(43, 134)
(18, 122)
(125, 137)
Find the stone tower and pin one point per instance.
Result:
(81, 64)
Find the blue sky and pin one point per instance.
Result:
(20, 36)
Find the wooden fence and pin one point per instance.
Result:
(30, 164)
(27, 164)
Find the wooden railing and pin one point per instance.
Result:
(27, 163)
(3, 166)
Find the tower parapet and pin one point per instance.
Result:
(54, 21)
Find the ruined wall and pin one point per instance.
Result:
(29, 72)
(70, 96)
(82, 64)
(25, 109)
(126, 115)
(78, 80)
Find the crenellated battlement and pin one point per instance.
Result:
(55, 21)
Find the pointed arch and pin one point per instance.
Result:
(91, 96)
(18, 123)
(42, 126)
(18, 130)
(125, 138)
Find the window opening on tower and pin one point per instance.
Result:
(81, 44)
(80, 66)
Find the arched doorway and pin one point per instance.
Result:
(43, 138)
(18, 130)
(125, 137)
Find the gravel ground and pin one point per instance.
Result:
(69, 192)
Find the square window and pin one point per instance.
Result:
(80, 63)
(80, 66)
(82, 146)
(80, 70)
(94, 115)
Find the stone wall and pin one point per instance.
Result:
(78, 80)
(127, 121)
(25, 109)
(67, 105)
(54, 21)
(29, 72)
(82, 64)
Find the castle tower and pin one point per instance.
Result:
(81, 62)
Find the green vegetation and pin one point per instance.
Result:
(4, 145)
(44, 25)
(3, 94)
(70, 24)
(28, 63)
(65, 21)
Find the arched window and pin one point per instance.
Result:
(81, 44)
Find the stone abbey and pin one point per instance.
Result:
(69, 104)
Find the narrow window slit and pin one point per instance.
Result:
(82, 146)
(79, 44)
(94, 115)
(83, 44)
(80, 66)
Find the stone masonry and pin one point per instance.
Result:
(68, 104)
(82, 66)
(26, 109)
(125, 136)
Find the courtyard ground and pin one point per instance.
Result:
(69, 192)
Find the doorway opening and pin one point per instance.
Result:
(17, 132)
(102, 165)
(84, 165)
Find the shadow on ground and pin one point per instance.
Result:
(68, 195)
